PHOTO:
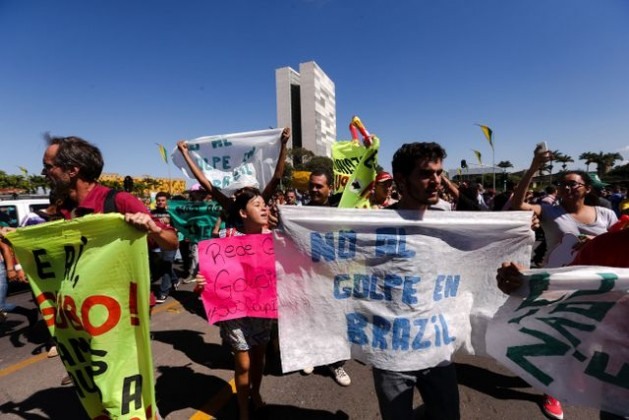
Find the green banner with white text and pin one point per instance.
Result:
(90, 278)
(194, 219)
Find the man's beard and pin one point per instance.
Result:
(60, 187)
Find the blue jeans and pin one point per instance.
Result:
(437, 386)
(167, 271)
(4, 289)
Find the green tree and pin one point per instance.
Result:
(504, 164)
(318, 162)
(589, 158)
(37, 182)
(116, 185)
(619, 174)
(606, 161)
(563, 159)
(299, 156)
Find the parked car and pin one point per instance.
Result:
(14, 212)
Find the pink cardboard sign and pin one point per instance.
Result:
(240, 277)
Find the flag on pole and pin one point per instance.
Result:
(24, 170)
(162, 151)
(488, 134)
(478, 156)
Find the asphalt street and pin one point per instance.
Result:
(194, 377)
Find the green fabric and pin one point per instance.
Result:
(359, 163)
(194, 219)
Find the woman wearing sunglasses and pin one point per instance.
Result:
(571, 216)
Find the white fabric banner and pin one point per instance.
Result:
(396, 289)
(566, 334)
(233, 161)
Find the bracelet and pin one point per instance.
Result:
(17, 267)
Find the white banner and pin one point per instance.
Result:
(394, 289)
(234, 161)
(568, 335)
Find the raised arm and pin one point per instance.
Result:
(222, 199)
(517, 202)
(279, 168)
(450, 187)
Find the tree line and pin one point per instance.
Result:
(301, 159)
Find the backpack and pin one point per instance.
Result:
(110, 202)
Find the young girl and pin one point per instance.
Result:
(248, 337)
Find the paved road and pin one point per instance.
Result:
(195, 377)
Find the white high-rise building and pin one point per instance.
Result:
(306, 103)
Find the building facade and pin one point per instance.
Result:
(306, 103)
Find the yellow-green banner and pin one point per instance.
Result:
(90, 277)
(354, 171)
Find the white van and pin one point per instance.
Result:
(13, 212)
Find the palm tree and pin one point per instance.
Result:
(504, 164)
(606, 161)
(564, 160)
(588, 157)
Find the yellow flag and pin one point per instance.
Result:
(488, 134)
(478, 156)
(162, 151)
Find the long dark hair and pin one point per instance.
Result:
(241, 199)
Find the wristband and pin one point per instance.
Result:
(17, 267)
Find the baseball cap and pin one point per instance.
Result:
(383, 176)
(596, 181)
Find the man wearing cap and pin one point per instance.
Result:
(381, 193)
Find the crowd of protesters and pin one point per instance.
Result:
(576, 205)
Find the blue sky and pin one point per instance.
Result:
(128, 74)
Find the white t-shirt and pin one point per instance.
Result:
(557, 223)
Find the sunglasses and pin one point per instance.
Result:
(571, 184)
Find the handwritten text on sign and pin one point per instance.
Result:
(240, 277)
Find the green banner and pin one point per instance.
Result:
(194, 219)
(355, 171)
(90, 278)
